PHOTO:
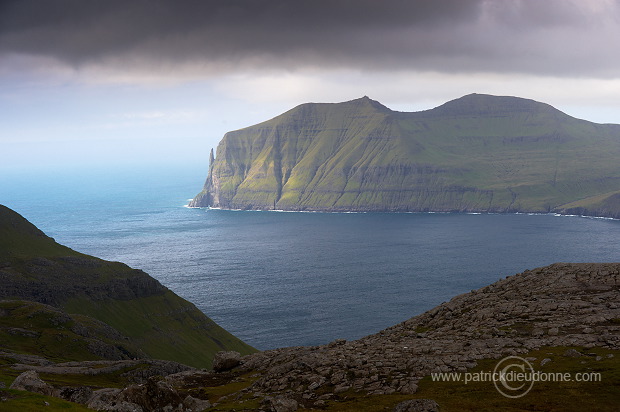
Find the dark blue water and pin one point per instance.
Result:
(282, 279)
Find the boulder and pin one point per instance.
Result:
(103, 399)
(572, 353)
(284, 405)
(30, 381)
(225, 361)
(79, 394)
(195, 405)
(154, 395)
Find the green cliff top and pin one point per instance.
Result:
(478, 153)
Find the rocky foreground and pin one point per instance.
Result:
(564, 304)
(558, 305)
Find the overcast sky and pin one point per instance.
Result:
(86, 82)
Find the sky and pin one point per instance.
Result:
(112, 83)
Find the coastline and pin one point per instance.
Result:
(473, 212)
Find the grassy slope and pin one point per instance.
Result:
(35, 328)
(607, 204)
(32, 402)
(20, 239)
(164, 327)
(479, 152)
(542, 155)
(159, 322)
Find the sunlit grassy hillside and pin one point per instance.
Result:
(477, 153)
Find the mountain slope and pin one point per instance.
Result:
(151, 319)
(477, 153)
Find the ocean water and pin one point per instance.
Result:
(287, 279)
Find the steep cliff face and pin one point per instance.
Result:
(476, 153)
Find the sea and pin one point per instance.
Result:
(278, 279)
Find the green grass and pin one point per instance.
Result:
(98, 381)
(422, 329)
(34, 328)
(32, 402)
(103, 380)
(20, 238)
(164, 327)
(355, 402)
(544, 396)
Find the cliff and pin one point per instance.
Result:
(109, 310)
(479, 153)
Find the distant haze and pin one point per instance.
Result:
(161, 81)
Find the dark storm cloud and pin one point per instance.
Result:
(540, 37)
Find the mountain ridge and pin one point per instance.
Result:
(478, 153)
(489, 104)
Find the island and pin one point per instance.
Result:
(478, 153)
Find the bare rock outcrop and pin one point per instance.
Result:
(558, 305)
